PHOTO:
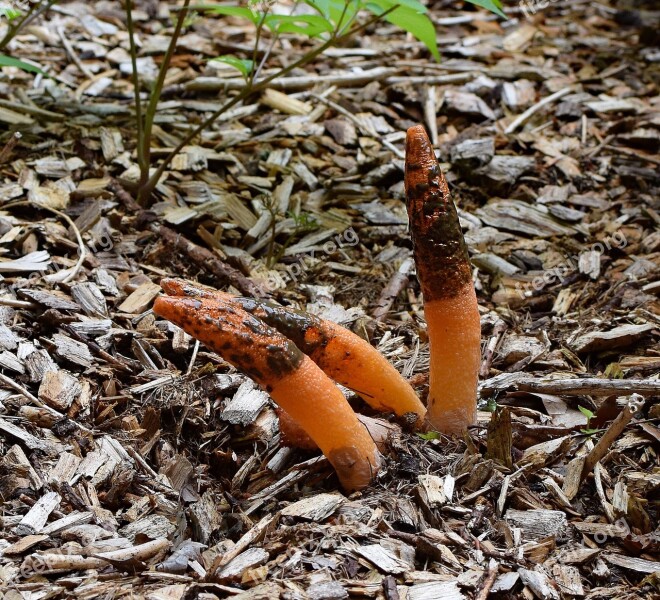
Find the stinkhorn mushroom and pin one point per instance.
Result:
(450, 301)
(292, 379)
(342, 355)
(292, 354)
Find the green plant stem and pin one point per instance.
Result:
(152, 107)
(273, 41)
(255, 51)
(35, 11)
(145, 191)
(144, 166)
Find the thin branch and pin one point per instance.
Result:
(82, 251)
(255, 50)
(160, 82)
(532, 110)
(43, 8)
(340, 22)
(487, 583)
(274, 40)
(592, 386)
(12, 30)
(144, 167)
(613, 432)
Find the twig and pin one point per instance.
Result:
(81, 244)
(628, 152)
(82, 251)
(100, 352)
(14, 28)
(136, 87)
(532, 110)
(498, 331)
(72, 54)
(393, 288)
(5, 153)
(614, 431)
(487, 585)
(205, 259)
(193, 358)
(364, 127)
(13, 303)
(21, 390)
(245, 542)
(295, 82)
(255, 50)
(578, 387)
(46, 562)
(151, 109)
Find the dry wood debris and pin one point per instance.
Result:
(134, 462)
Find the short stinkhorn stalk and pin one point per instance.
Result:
(450, 302)
(292, 379)
(342, 355)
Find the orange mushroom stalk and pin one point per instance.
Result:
(342, 355)
(450, 301)
(290, 377)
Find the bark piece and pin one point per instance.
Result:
(538, 524)
(35, 519)
(235, 569)
(246, 405)
(140, 299)
(597, 341)
(59, 389)
(315, 508)
(539, 583)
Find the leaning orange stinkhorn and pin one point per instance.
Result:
(293, 355)
(342, 355)
(445, 276)
(291, 378)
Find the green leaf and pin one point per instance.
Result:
(408, 19)
(336, 10)
(411, 4)
(586, 412)
(491, 5)
(491, 406)
(10, 61)
(590, 431)
(309, 25)
(230, 11)
(244, 65)
(9, 13)
(431, 435)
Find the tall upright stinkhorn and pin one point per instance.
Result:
(342, 355)
(293, 380)
(450, 301)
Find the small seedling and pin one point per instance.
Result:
(590, 415)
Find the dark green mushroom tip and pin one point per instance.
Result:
(441, 256)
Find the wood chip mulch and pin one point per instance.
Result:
(135, 463)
